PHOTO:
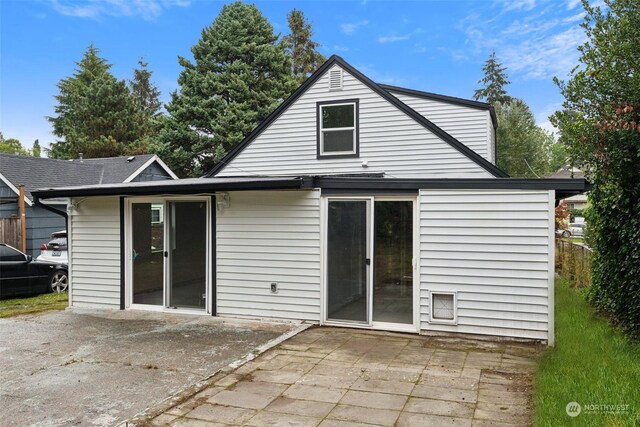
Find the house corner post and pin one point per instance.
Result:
(23, 220)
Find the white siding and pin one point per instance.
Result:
(467, 125)
(95, 252)
(390, 141)
(266, 237)
(492, 247)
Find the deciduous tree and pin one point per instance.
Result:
(522, 146)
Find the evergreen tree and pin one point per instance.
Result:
(494, 81)
(145, 96)
(36, 148)
(239, 75)
(95, 113)
(522, 146)
(300, 48)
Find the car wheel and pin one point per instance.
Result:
(566, 234)
(59, 281)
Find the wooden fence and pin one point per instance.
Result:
(10, 232)
(573, 261)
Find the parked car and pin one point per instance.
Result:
(577, 229)
(563, 232)
(20, 275)
(56, 250)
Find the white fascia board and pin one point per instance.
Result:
(14, 189)
(148, 163)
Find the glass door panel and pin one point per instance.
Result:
(347, 253)
(393, 266)
(187, 254)
(147, 231)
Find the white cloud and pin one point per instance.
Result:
(393, 38)
(571, 4)
(351, 28)
(544, 57)
(94, 9)
(339, 48)
(534, 45)
(518, 4)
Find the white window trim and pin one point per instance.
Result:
(351, 128)
(433, 320)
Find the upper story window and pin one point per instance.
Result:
(338, 129)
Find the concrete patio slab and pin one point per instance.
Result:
(99, 367)
(344, 377)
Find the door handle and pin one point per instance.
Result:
(368, 261)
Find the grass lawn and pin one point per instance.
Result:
(592, 364)
(44, 302)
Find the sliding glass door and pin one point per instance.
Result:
(168, 240)
(393, 268)
(147, 255)
(187, 261)
(348, 258)
(370, 259)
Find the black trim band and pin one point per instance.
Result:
(214, 297)
(122, 254)
(445, 98)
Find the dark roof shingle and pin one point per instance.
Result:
(34, 172)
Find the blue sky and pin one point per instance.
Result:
(437, 46)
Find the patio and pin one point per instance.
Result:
(344, 377)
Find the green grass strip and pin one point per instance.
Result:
(45, 302)
(592, 364)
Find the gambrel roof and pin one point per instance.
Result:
(385, 93)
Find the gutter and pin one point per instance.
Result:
(37, 202)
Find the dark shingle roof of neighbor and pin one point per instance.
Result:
(34, 172)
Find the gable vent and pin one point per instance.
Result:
(335, 79)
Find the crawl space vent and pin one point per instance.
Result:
(335, 79)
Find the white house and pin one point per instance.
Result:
(353, 204)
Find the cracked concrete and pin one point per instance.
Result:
(98, 367)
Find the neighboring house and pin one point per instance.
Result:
(34, 172)
(353, 204)
(579, 201)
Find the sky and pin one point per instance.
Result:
(432, 45)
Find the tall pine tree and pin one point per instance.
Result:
(95, 114)
(494, 81)
(145, 96)
(238, 76)
(300, 48)
(36, 150)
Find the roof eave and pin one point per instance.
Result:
(176, 188)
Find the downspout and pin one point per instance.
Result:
(37, 202)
